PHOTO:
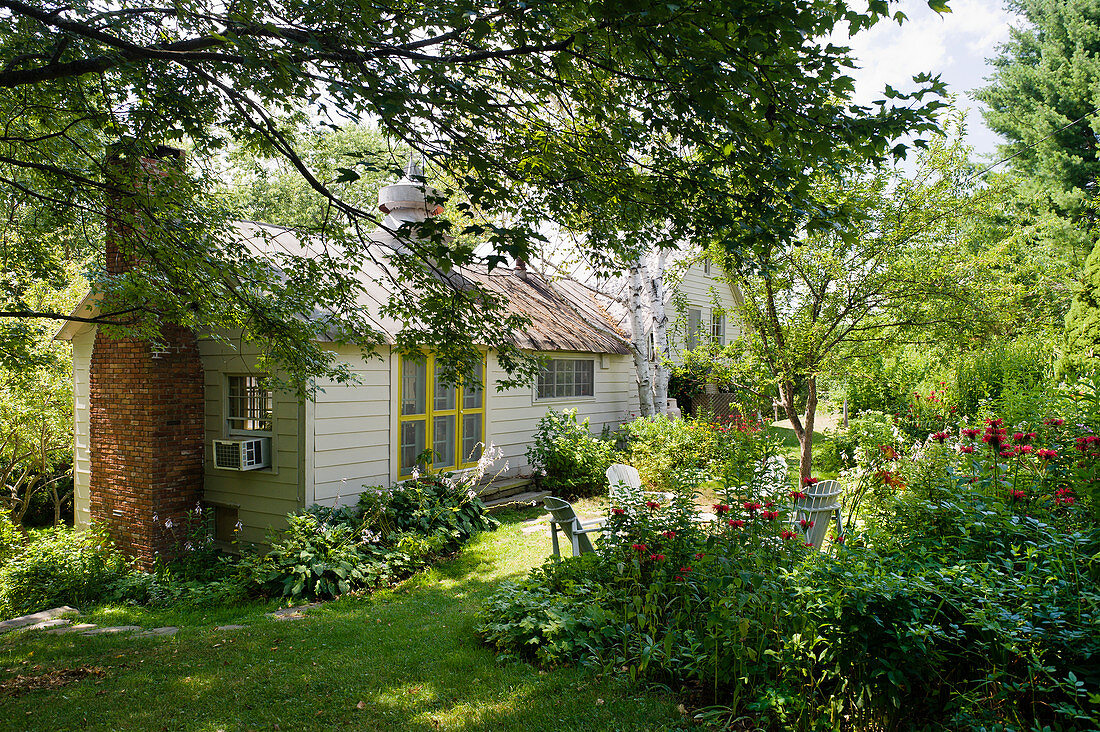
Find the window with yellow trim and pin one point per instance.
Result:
(449, 420)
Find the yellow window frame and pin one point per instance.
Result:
(460, 413)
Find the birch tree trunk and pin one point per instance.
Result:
(638, 341)
(659, 319)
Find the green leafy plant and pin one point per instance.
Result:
(59, 567)
(567, 458)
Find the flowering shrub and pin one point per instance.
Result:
(971, 601)
(567, 458)
(675, 455)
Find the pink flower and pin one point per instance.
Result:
(1047, 454)
(1025, 449)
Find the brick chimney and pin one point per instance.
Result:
(146, 401)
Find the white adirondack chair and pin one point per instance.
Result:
(821, 505)
(562, 516)
(625, 487)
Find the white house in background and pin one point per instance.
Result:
(297, 452)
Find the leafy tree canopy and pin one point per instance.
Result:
(537, 110)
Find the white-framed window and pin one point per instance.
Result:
(563, 378)
(718, 327)
(694, 325)
(249, 403)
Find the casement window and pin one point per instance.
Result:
(249, 402)
(448, 419)
(564, 378)
(694, 323)
(718, 328)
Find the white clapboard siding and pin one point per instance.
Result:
(82, 342)
(514, 414)
(350, 431)
(705, 293)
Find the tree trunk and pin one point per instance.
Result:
(656, 291)
(803, 427)
(638, 340)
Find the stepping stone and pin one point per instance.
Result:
(230, 627)
(49, 624)
(158, 632)
(291, 613)
(70, 628)
(113, 629)
(24, 620)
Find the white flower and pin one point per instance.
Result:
(188, 546)
(238, 526)
(168, 523)
(156, 519)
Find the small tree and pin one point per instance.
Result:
(1083, 322)
(894, 275)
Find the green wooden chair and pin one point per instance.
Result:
(562, 516)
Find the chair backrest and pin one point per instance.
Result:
(624, 484)
(565, 517)
(821, 505)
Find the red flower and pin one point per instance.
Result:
(1053, 422)
(771, 515)
(1025, 449)
(721, 508)
(1010, 452)
(805, 523)
(1019, 437)
(652, 504)
(736, 523)
(658, 557)
(670, 534)
(1064, 497)
(751, 507)
(940, 436)
(1091, 439)
(679, 578)
(1047, 454)
(639, 547)
(810, 481)
(685, 570)
(839, 540)
(971, 432)
(617, 512)
(1018, 495)
(787, 535)
(798, 494)
(968, 449)
(994, 422)
(699, 555)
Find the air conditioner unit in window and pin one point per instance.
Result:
(245, 453)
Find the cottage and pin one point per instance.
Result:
(158, 431)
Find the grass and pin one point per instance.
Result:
(401, 659)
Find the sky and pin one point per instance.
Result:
(955, 45)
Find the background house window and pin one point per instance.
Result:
(449, 419)
(718, 328)
(706, 266)
(566, 377)
(695, 319)
(250, 401)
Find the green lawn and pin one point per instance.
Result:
(400, 659)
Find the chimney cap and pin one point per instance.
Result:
(410, 192)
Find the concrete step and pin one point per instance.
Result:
(35, 618)
(516, 500)
(502, 488)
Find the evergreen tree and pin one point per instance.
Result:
(1042, 99)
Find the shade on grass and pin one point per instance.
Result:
(401, 659)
